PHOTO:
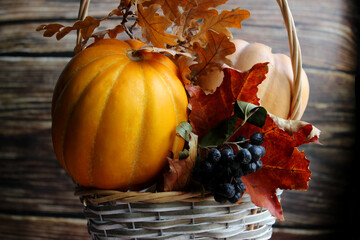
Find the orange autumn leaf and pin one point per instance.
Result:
(170, 9)
(220, 23)
(50, 29)
(213, 55)
(154, 26)
(284, 166)
(178, 174)
(112, 33)
(198, 9)
(207, 110)
(87, 26)
(184, 64)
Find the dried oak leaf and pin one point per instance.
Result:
(199, 9)
(86, 26)
(170, 8)
(207, 110)
(184, 63)
(154, 26)
(112, 33)
(219, 23)
(284, 166)
(212, 57)
(178, 175)
(50, 29)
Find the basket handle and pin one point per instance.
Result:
(294, 46)
(295, 56)
(83, 12)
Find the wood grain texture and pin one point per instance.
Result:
(36, 193)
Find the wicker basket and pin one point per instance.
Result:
(114, 214)
(172, 215)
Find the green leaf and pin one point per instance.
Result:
(184, 129)
(183, 154)
(219, 133)
(250, 113)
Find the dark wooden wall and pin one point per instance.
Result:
(36, 195)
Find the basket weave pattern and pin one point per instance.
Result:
(179, 220)
(182, 215)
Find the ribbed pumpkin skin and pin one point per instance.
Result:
(114, 119)
(276, 90)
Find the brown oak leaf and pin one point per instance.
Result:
(86, 26)
(50, 29)
(220, 23)
(178, 175)
(211, 57)
(199, 9)
(154, 26)
(170, 8)
(184, 63)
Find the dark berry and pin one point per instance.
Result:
(201, 176)
(206, 166)
(227, 155)
(259, 165)
(226, 190)
(222, 173)
(211, 184)
(243, 156)
(214, 155)
(240, 186)
(249, 168)
(235, 198)
(256, 152)
(256, 138)
(236, 170)
(219, 198)
(240, 139)
(263, 151)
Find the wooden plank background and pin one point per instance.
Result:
(37, 199)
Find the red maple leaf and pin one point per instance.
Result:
(284, 166)
(207, 110)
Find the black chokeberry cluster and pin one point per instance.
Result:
(221, 169)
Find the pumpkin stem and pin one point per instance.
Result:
(135, 55)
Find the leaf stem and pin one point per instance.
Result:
(242, 124)
(233, 134)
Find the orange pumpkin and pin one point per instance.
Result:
(276, 90)
(114, 115)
